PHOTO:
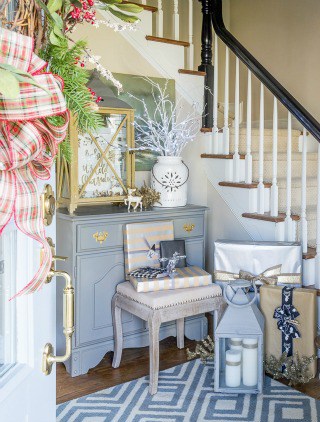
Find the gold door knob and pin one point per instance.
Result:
(188, 227)
(100, 236)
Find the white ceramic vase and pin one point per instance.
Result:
(169, 176)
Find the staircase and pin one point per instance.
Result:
(268, 177)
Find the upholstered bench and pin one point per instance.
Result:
(159, 307)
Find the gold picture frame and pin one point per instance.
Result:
(102, 165)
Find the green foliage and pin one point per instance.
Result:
(116, 8)
(65, 150)
(79, 101)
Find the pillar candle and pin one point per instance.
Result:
(235, 343)
(233, 368)
(250, 362)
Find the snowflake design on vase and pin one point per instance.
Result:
(171, 181)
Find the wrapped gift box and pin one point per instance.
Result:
(274, 262)
(304, 302)
(183, 278)
(142, 243)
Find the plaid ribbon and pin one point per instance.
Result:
(28, 144)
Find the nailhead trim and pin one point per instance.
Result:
(173, 304)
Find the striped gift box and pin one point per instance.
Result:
(183, 278)
(142, 243)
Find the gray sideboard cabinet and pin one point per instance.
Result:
(92, 239)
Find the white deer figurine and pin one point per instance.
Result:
(133, 201)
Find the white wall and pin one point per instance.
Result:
(119, 56)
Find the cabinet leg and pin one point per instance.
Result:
(117, 331)
(154, 328)
(180, 333)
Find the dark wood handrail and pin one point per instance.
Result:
(295, 108)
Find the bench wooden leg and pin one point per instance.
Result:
(154, 328)
(117, 333)
(180, 333)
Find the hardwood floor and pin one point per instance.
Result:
(134, 364)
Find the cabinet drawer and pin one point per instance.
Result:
(188, 227)
(98, 236)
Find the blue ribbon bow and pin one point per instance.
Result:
(286, 321)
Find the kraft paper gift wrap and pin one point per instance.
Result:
(305, 302)
(277, 262)
(183, 278)
(142, 243)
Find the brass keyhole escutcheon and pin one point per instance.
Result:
(48, 203)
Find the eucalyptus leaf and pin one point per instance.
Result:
(54, 39)
(57, 20)
(58, 32)
(54, 5)
(9, 86)
(123, 16)
(130, 8)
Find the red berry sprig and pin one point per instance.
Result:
(94, 96)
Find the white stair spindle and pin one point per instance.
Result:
(226, 132)
(261, 153)
(274, 186)
(236, 156)
(317, 263)
(191, 47)
(176, 29)
(290, 232)
(159, 20)
(144, 2)
(303, 217)
(215, 130)
(248, 178)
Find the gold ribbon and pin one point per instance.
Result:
(271, 276)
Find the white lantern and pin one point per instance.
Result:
(239, 343)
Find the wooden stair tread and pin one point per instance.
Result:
(206, 129)
(244, 185)
(144, 6)
(192, 72)
(280, 218)
(224, 156)
(310, 254)
(167, 41)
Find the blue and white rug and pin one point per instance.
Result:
(185, 394)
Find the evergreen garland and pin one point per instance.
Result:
(62, 59)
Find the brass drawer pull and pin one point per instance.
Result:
(100, 236)
(188, 227)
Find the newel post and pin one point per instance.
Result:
(206, 62)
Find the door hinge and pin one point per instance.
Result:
(75, 272)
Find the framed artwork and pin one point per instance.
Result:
(140, 88)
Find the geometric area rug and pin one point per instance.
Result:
(185, 394)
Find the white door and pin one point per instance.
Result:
(26, 325)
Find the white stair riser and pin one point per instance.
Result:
(282, 168)
(296, 197)
(282, 147)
